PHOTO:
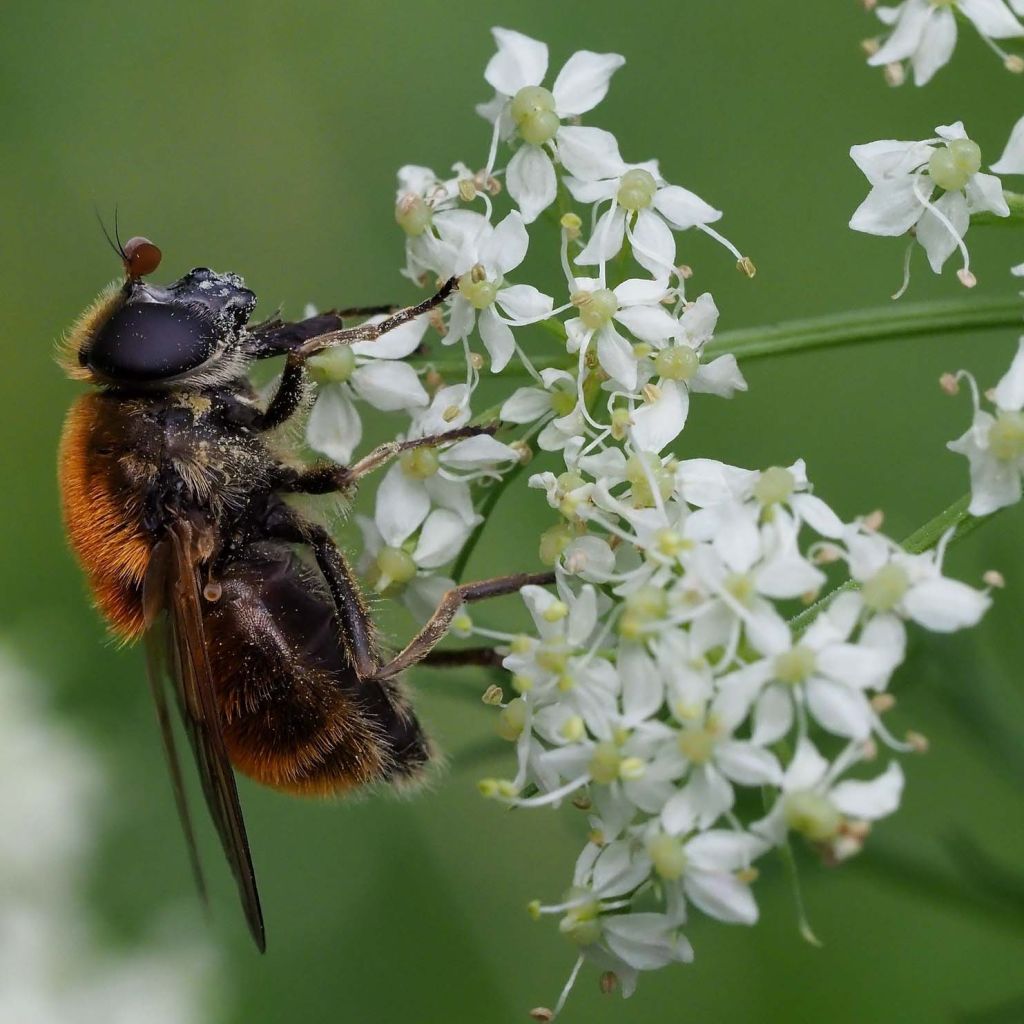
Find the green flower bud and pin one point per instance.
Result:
(476, 289)
(680, 362)
(812, 815)
(333, 365)
(775, 486)
(636, 189)
(667, 856)
(512, 720)
(697, 744)
(663, 477)
(412, 215)
(886, 588)
(596, 308)
(533, 110)
(420, 463)
(795, 666)
(605, 762)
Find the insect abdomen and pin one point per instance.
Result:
(101, 526)
(296, 716)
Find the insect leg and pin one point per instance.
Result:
(357, 632)
(371, 332)
(485, 657)
(326, 477)
(300, 344)
(437, 625)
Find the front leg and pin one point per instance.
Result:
(298, 341)
(328, 477)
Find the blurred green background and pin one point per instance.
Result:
(263, 138)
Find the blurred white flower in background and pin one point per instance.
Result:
(924, 33)
(56, 967)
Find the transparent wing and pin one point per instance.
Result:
(176, 646)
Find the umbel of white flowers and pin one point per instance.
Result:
(661, 688)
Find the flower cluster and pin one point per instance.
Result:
(679, 685)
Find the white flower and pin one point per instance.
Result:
(711, 759)
(479, 256)
(427, 477)
(894, 583)
(522, 105)
(636, 305)
(644, 208)
(822, 670)
(903, 177)
(924, 32)
(703, 869)
(820, 808)
(994, 444)
(556, 401)
(675, 363)
(369, 370)
(407, 569)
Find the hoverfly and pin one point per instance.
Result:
(173, 491)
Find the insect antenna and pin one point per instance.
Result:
(115, 245)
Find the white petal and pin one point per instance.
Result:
(401, 505)
(1012, 160)
(506, 247)
(787, 574)
(720, 377)
(658, 423)
(700, 318)
(497, 338)
(888, 159)
(590, 558)
(525, 405)
(773, 716)
(724, 850)
(654, 245)
(588, 153)
(524, 302)
(453, 495)
(870, 800)
(461, 321)
(936, 238)
(478, 452)
(945, 605)
(985, 194)
(334, 427)
(991, 18)
(519, 61)
(441, 538)
(817, 515)
(906, 36)
(806, 769)
(642, 688)
(748, 764)
(1009, 393)
(721, 895)
(937, 44)
(606, 240)
(583, 81)
(649, 323)
(683, 208)
(617, 357)
(891, 207)
(839, 709)
(389, 386)
(530, 178)
(590, 192)
(398, 343)
(639, 291)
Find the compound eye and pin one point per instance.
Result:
(141, 257)
(150, 342)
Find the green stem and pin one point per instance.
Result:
(924, 538)
(856, 327)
